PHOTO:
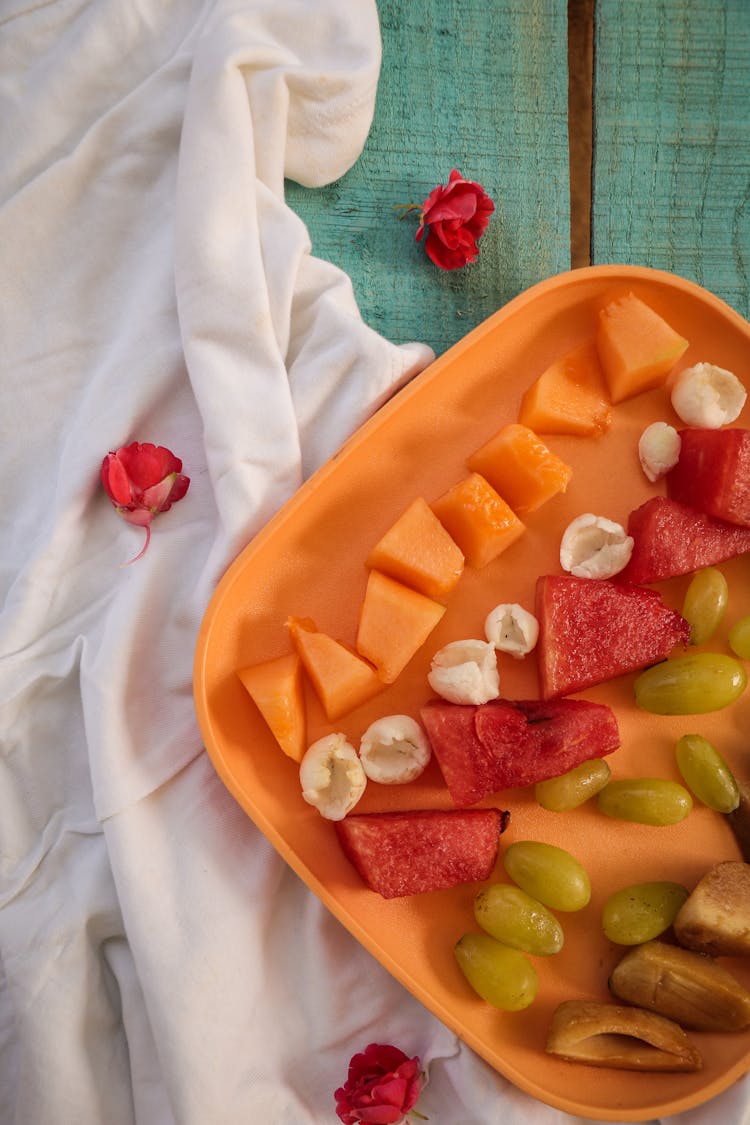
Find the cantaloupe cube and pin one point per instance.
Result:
(275, 687)
(569, 397)
(478, 519)
(418, 551)
(521, 468)
(636, 346)
(341, 679)
(394, 622)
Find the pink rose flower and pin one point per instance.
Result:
(382, 1086)
(143, 480)
(455, 217)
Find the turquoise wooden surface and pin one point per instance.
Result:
(481, 86)
(671, 178)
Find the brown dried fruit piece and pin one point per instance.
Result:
(715, 918)
(682, 985)
(614, 1035)
(739, 820)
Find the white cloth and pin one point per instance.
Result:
(159, 962)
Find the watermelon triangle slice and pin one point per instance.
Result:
(505, 745)
(713, 473)
(671, 538)
(418, 850)
(592, 629)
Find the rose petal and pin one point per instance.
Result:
(179, 488)
(116, 481)
(460, 205)
(381, 1115)
(390, 1092)
(432, 199)
(159, 497)
(453, 236)
(445, 257)
(139, 517)
(378, 1057)
(147, 464)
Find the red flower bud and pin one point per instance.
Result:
(143, 480)
(455, 217)
(383, 1084)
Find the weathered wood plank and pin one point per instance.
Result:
(671, 185)
(472, 84)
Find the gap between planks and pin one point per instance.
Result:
(580, 126)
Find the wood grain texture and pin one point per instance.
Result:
(480, 85)
(671, 184)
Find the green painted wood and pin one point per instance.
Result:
(476, 84)
(671, 183)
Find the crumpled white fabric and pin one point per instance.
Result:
(159, 963)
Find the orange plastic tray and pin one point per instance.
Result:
(309, 561)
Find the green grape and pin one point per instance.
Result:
(739, 638)
(705, 603)
(645, 800)
(515, 918)
(549, 874)
(642, 911)
(503, 976)
(706, 774)
(571, 789)
(690, 685)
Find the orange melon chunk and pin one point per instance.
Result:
(275, 686)
(418, 551)
(569, 397)
(479, 520)
(521, 468)
(394, 622)
(341, 679)
(636, 346)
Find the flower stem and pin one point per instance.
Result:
(405, 208)
(142, 551)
